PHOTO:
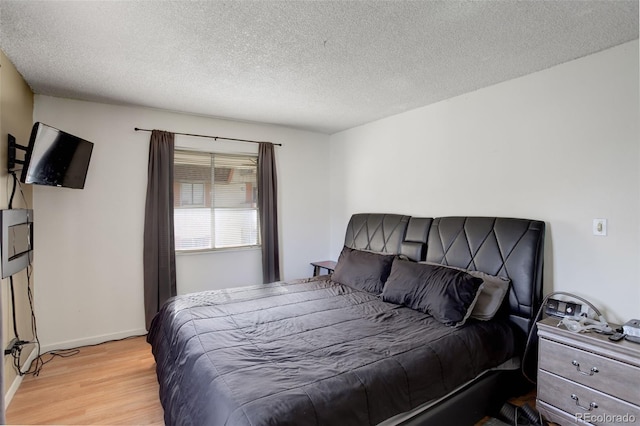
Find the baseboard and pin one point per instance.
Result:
(11, 392)
(94, 340)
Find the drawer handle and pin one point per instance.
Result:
(577, 400)
(590, 373)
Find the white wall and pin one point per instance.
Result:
(89, 242)
(560, 145)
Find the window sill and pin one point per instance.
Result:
(220, 250)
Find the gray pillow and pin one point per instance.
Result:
(490, 298)
(446, 294)
(493, 292)
(363, 270)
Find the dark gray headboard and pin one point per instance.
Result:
(508, 247)
(498, 246)
(388, 233)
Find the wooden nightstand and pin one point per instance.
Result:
(586, 378)
(329, 265)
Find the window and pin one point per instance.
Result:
(191, 194)
(215, 200)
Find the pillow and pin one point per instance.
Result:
(363, 270)
(445, 293)
(493, 292)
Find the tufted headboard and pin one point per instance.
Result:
(388, 233)
(508, 247)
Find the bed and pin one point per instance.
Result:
(320, 351)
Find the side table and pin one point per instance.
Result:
(329, 265)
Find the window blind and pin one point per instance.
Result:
(215, 200)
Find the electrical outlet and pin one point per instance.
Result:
(600, 227)
(13, 343)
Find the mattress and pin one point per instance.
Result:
(310, 352)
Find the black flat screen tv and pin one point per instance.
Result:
(56, 158)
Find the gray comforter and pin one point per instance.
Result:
(309, 352)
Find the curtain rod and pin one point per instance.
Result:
(137, 129)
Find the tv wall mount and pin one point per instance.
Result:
(11, 154)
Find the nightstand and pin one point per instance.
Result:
(329, 265)
(586, 378)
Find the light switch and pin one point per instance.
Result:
(600, 227)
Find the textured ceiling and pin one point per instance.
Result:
(317, 65)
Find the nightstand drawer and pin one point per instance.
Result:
(609, 376)
(587, 404)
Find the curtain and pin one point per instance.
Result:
(159, 243)
(268, 211)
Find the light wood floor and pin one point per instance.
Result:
(112, 383)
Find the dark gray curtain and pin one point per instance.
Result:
(268, 210)
(159, 243)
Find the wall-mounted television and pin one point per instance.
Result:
(56, 158)
(16, 250)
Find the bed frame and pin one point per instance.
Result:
(508, 247)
